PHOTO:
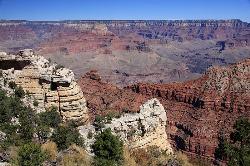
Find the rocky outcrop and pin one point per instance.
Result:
(201, 110)
(138, 130)
(49, 84)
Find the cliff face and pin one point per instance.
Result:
(49, 84)
(221, 88)
(138, 130)
(201, 110)
(121, 34)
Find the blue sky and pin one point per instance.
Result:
(124, 9)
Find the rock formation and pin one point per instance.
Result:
(138, 130)
(201, 110)
(49, 84)
(221, 88)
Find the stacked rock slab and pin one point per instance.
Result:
(138, 130)
(49, 84)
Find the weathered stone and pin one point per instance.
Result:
(48, 84)
(138, 130)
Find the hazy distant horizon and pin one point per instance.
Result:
(60, 10)
(89, 20)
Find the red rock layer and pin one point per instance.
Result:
(199, 111)
(103, 98)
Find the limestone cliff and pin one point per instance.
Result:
(49, 84)
(138, 130)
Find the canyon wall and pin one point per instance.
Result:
(221, 88)
(202, 110)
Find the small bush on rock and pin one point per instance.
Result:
(108, 149)
(64, 136)
(19, 92)
(50, 118)
(31, 155)
(35, 103)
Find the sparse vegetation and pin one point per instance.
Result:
(75, 155)
(64, 136)
(108, 149)
(27, 131)
(31, 154)
(128, 159)
(237, 149)
(35, 103)
(59, 66)
(51, 149)
(101, 120)
(153, 156)
(19, 92)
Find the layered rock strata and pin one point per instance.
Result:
(49, 84)
(202, 110)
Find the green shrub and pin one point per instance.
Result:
(50, 118)
(19, 92)
(9, 107)
(99, 122)
(42, 132)
(108, 149)
(35, 103)
(64, 136)
(31, 155)
(26, 128)
(90, 135)
(237, 149)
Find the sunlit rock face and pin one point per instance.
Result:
(138, 130)
(48, 84)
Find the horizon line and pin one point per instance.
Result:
(233, 19)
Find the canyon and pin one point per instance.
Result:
(197, 71)
(126, 52)
(199, 111)
(50, 85)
